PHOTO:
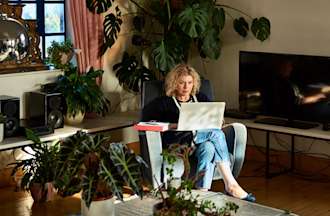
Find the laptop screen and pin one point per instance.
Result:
(202, 115)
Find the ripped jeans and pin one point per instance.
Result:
(211, 148)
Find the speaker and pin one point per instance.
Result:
(45, 109)
(9, 106)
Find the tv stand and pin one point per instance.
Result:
(287, 123)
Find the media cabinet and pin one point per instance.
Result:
(314, 133)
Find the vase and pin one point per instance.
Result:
(42, 193)
(100, 208)
(74, 120)
(1, 131)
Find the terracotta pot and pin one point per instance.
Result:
(74, 120)
(99, 208)
(42, 193)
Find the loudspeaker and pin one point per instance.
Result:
(45, 109)
(9, 106)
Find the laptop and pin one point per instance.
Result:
(201, 115)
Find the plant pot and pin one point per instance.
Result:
(74, 120)
(1, 131)
(99, 208)
(42, 194)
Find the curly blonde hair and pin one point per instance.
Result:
(173, 76)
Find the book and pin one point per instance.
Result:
(152, 126)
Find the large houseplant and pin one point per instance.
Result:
(98, 168)
(38, 170)
(81, 92)
(167, 30)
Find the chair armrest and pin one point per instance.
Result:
(239, 147)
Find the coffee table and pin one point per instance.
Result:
(144, 207)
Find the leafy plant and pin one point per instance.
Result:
(60, 53)
(181, 201)
(81, 92)
(167, 30)
(97, 167)
(2, 118)
(41, 166)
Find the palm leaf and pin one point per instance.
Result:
(193, 20)
(261, 28)
(99, 6)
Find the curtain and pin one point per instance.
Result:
(87, 35)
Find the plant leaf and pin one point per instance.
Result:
(166, 56)
(211, 44)
(30, 135)
(89, 186)
(261, 28)
(241, 26)
(130, 74)
(112, 25)
(219, 17)
(99, 6)
(193, 20)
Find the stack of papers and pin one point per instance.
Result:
(152, 126)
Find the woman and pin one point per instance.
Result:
(182, 86)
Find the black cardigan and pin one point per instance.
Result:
(164, 109)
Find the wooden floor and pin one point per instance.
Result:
(290, 192)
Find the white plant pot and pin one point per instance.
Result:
(74, 120)
(1, 131)
(99, 208)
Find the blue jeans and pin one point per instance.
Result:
(211, 149)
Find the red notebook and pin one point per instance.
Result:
(152, 126)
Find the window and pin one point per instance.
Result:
(50, 16)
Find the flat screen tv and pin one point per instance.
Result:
(294, 87)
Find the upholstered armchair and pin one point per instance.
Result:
(151, 143)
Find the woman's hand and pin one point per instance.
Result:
(173, 126)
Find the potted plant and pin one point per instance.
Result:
(82, 94)
(60, 54)
(179, 199)
(38, 170)
(167, 31)
(2, 122)
(98, 168)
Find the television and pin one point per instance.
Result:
(292, 87)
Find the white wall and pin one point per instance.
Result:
(297, 26)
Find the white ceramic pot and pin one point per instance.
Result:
(99, 208)
(74, 120)
(1, 131)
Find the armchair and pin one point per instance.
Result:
(151, 143)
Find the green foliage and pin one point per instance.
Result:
(181, 201)
(2, 118)
(56, 51)
(81, 92)
(168, 30)
(96, 166)
(41, 166)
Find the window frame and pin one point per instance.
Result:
(40, 10)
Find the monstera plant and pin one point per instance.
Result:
(168, 29)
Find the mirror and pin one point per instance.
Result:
(14, 40)
(19, 41)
